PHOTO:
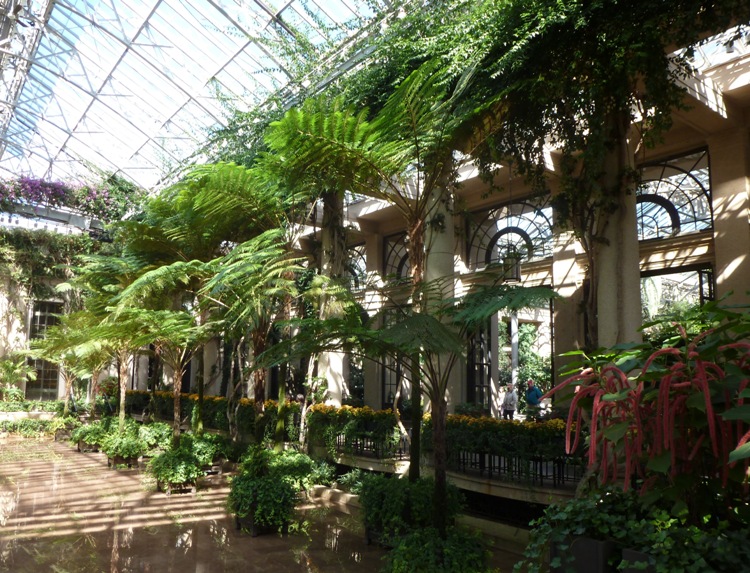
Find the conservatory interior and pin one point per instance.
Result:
(286, 255)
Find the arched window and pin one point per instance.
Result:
(396, 263)
(522, 227)
(674, 197)
(356, 266)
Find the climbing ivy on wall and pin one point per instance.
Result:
(34, 259)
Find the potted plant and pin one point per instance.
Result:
(88, 437)
(212, 450)
(156, 436)
(175, 470)
(123, 449)
(394, 507)
(263, 495)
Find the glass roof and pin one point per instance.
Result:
(130, 86)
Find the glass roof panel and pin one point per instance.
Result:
(130, 85)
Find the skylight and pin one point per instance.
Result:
(129, 86)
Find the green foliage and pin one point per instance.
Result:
(328, 424)
(322, 473)
(14, 372)
(267, 485)
(126, 445)
(157, 436)
(424, 551)
(178, 467)
(161, 405)
(671, 544)
(525, 441)
(32, 406)
(94, 432)
(32, 257)
(353, 481)
(393, 507)
(29, 427)
(207, 447)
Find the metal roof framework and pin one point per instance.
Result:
(134, 86)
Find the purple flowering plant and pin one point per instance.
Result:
(108, 201)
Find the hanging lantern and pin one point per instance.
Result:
(511, 265)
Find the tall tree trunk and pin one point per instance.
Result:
(200, 359)
(176, 396)
(280, 430)
(415, 448)
(440, 502)
(122, 359)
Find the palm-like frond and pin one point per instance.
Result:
(253, 278)
(165, 281)
(485, 301)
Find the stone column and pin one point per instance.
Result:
(730, 182)
(372, 370)
(567, 280)
(440, 242)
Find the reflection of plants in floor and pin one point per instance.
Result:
(219, 534)
(76, 555)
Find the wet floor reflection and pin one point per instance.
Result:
(65, 511)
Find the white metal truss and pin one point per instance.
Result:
(130, 86)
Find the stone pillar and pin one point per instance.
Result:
(372, 371)
(567, 280)
(440, 243)
(514, 348)
(730, 183)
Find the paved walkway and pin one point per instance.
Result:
(61, 510)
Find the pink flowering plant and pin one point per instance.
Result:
(107, 200)
(673, 421)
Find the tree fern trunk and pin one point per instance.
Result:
(176, 420)
(123, 379)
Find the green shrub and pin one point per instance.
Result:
(157, 436)
(175, 467)
(322, 473)
(125, 445)
(423, 551)
(94, 432)
(353, 480)
(207, 447)
(28, 428)
(393, 507)
(267, 485)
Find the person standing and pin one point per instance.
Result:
(533, 400)
(510, 402)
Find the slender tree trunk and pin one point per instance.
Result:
(280, 430)
(68, 386)
(176, 420)
(415, 448)
(200, 359)
(304, 407)
(122, 358)
(440, 502)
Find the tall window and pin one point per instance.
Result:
(479, 375)
(675, 197)
(673, 292)
(356, 266)
(394, 370)
(45, 386)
